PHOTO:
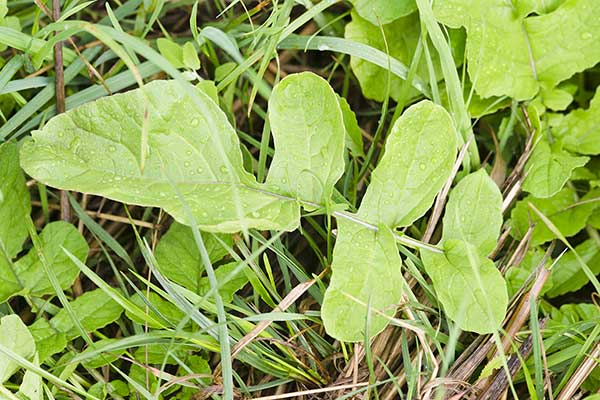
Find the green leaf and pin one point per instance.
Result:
(200, 366)
(228, 286)
(55, 236)
(366, 270)
(419, 154)
(31, 386)
(187, 148)
(15, 204)
(556, 99)
(171, 51)
(14, 336)
(579, 129)
(569, 314)
(9, 284)
(594, 219)
(354, 140)
(469, 287)
(474, 212)
(190, 56)
(402, 189)
(567, 274)
(549, 168)
(381, 12)
(48, 341)
(210, 89)
(308, 131)
(402, 37)
(3, 9)
(491, 367)
(561, 209)
(178, 256)
(12, 22)
(507, 50)
(93, 310)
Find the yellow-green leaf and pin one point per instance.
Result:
(474, 212)
(511, 52)
(561, 209)
(156, 146)
(308, 131)
(418, 158)
(381, 12)
(579, 130)
(366, 270)
(15, 204)
(549, 168)
(469, 287)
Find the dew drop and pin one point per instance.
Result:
(422, 166)
(112, 148)
(187, 163)
(195, 122)
(223, 169)
(255, 214)
(586, 35)
(200, 170)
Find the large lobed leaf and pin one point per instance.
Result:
(512, 53)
